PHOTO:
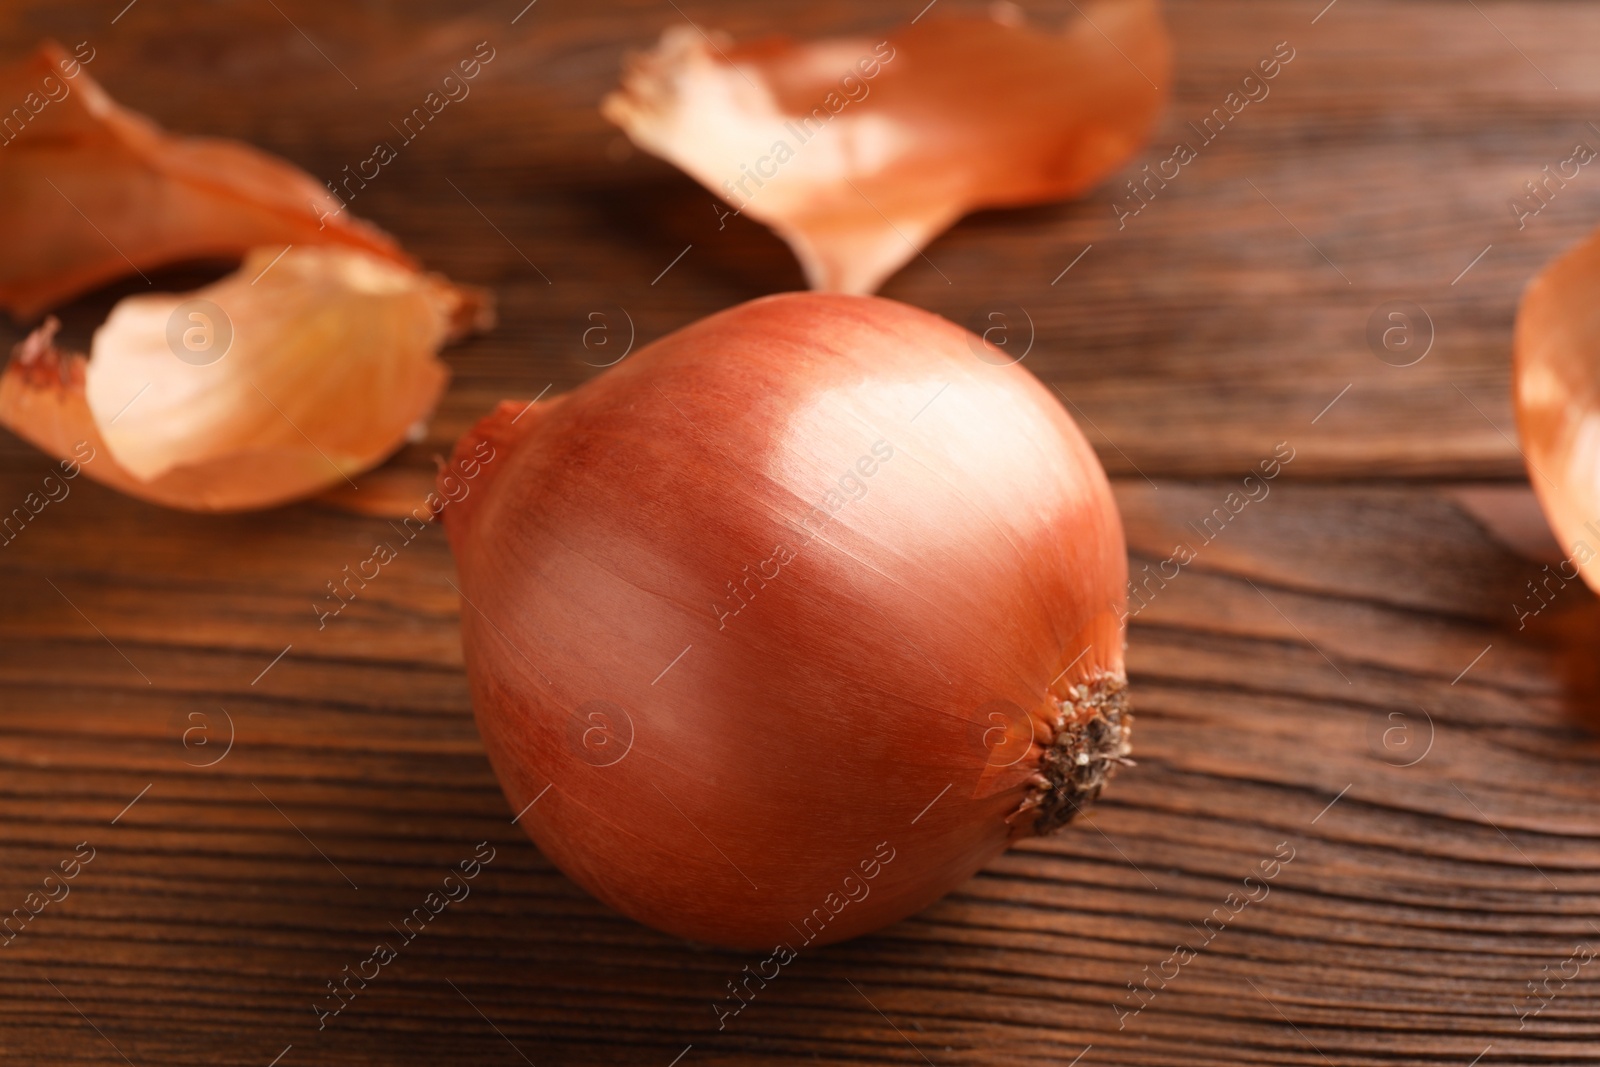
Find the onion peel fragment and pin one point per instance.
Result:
(859, 153)
(91, 191)
(1556, 390)
(329, 364)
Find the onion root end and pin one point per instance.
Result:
(1090, 741)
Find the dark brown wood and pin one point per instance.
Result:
(1357, 619)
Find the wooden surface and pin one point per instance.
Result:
(1357, 620)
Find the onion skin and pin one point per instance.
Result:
(91, 191)
(1556, 391)
(862, 151)
(333, 359)
(757, 760)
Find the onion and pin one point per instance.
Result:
(1556, 382)
(786, 625)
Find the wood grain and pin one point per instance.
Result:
(1359, 617)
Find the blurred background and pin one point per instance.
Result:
(1341, 671)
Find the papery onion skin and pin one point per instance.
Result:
(1556, 392)
(91, 191)
(859, 171)
(895, 684)
(333, 362)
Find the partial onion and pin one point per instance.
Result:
(1556, 385)
(289, 377)
(859, 152)
(91, 191)
(812, 582)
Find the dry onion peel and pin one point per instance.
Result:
(91, 192)
(801, 583)
(858, 172)
(1556, 389)
(332, 362)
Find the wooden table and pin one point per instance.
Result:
(1341, 670)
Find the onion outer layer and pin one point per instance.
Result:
(1556, 391)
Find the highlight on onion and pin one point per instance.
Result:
(292, 375)
(859, 152)
(1556, 389)
(91, 191)
(785, 625)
